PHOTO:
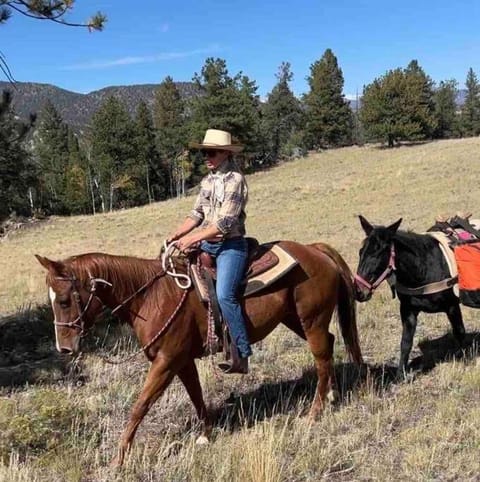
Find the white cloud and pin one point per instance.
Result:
(351, 96)
(145, 59)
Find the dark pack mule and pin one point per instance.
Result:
(414, 261)
(171, 323)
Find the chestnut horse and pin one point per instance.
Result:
(171, 323)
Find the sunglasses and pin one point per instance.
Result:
(209, 152)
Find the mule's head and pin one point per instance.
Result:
(73, 303)
(377, 258)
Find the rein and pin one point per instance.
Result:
(154, 339)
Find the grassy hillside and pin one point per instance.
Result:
(64, 424)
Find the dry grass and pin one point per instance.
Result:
(65, 424)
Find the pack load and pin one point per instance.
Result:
(467, 256)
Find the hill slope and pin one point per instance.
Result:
(425, 429)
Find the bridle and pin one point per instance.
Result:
(386, 273)
(79, 321)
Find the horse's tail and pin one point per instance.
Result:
(347, 316)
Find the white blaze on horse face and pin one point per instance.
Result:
(52, 295)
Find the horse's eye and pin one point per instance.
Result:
(64, 303)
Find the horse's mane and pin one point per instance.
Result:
(126, 273)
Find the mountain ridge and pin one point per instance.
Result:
(77, 109)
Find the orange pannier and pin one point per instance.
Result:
(468, 263)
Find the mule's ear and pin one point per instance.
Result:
(393, 227)
(367, 227)
(48, 264)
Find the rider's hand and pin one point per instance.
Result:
(186, 243)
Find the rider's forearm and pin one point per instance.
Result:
(187, 225)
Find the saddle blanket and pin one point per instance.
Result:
(257, 282)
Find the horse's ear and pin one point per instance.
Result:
(367, 227)
(393, 227)
(48, 264)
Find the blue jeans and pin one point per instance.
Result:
(231, 257)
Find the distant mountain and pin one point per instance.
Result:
(77, 109)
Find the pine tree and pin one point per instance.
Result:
(329, 119)
(113, 155)
(398, 106)
(77, 196)
(17, 175)
(470, 116)
(419, 101)
(52, 156)
(171, 129)
(445, 110)
(282, 116)
(227, 103)
(154, 184)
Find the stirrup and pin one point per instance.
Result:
(235, 366)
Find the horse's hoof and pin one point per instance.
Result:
(116, 463)
(202, 440)
(332, 396)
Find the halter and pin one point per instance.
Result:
(79, 321)
(388, 271)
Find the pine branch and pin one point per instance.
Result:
(6, 70)
(40, 10)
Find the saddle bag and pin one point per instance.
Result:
(467, 256)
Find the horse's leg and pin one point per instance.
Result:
(159, 377)
(296, 327)
(321, 343)
(409, 325)
(189, 377)
(454, 314)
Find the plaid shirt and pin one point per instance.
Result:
(221, 201)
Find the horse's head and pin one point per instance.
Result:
(74, 304)
(377, 258)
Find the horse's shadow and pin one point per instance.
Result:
(28, 354)
(27, 348)
(294, 396)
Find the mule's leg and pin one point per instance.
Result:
(454, 314)
(159, 377)
(321, 344)
(189, 377)
(409, 325)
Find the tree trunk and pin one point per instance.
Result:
(148, 183)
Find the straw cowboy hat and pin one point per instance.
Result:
(216, 139)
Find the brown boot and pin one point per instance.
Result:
(235, 364)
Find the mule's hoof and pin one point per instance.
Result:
(202, 440)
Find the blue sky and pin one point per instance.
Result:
(163, 38)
